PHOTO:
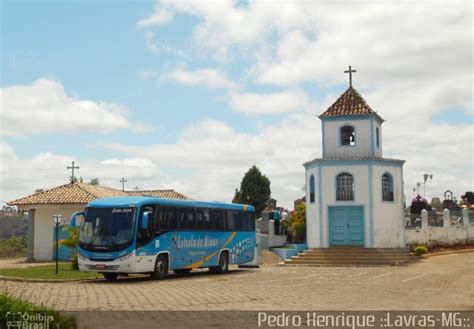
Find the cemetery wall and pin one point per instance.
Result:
(449, 234)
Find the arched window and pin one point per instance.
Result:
(387, 187)
(344, 187)
(348, 135)
(377, 137)
(311, 189)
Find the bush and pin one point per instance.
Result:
(296, 224)
(420, 250)
(12, 225)
(12, 247)
(12, 304)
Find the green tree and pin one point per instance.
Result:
(94, 181)
(254, 190)
(296, 224)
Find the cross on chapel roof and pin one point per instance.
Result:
(350, 71)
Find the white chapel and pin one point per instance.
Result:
(354, 196)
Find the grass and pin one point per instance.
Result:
(48, 272)
(19, 307)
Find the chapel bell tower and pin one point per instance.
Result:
(351, 128)
(354, 196)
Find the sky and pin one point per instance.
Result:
(189, 95)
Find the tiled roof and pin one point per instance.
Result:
(165, 194)
(349, 103)
(80, 193)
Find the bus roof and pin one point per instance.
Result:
(137, 201)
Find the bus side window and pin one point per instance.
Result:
(237, 224)
(172, 220)
(199, 219)
(207, 219)
(190, 219)
(230, 224)
(244, 220)
(218, 220)
(162, 219)
(182, 218)
(252, 221)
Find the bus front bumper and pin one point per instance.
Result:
(132, 264)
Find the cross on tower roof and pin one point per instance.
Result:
(123, 180)
(350, 71)
(72, 167)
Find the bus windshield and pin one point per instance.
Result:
(106, 229)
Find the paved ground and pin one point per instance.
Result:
(437, 283)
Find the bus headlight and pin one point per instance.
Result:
(82, 257)
(125, 257)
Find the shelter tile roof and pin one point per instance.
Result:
(80, 193)
(349, 103)
(165, 194)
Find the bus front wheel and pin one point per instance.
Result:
(223, 265)
(161, 268)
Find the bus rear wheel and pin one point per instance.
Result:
(110, 276)
(161, 268)
(223, 265)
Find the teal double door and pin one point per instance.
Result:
(346, 226)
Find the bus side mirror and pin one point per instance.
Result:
(145, 218)
(74, 216)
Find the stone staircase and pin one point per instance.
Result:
(351, 256)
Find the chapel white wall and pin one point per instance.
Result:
(388, 216)
(312, 211)
(332, 139)
(328, 198)
(44, 239)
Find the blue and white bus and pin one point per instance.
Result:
(122, 235)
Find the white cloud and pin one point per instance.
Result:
(310, 41)
(152, 45)
(21, 177)
(209, 158)
(44, 108)
(264, 104)
(212, 78)
(160, 16)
